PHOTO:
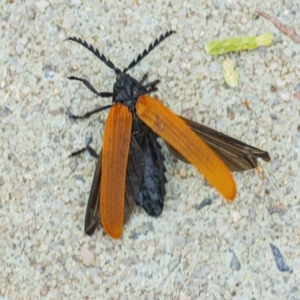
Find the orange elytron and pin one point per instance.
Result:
(115, 152)
(130, 168)
(177, 134)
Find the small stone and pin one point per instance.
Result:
(97, 280)
(44, 291)
(68, 21)
(287, 52)
(275, 165)
(183, 296)
(178, 241)
(244, 20)
(50, 72)
(4, 111)
(182, 172)
(235, 264)
(112, 279)
(25, 201)
(66, 198)
(274, 66)
(196, 35)
(67, 100)
(197, 55)
(244, 212)
(222, 226)
(205, 202)
(187, 33)
(31, 13)
(17, 194)
(19, 49)
(56, 139)
(128, 11)
(25, 90)
(65, 234)
(28, 216)
(215, 68)
(150, 296)
(259, 71)
(281, 265)
(172, 265)
(296, 95)
(201, 272)
(23, 41)
(162, 71)
(1, 181)
(280, 82)
(236, 216)
(23, 113)
(252, 214)
(42, 5)
(43, 248)
(284, 96)
(151, 250)
(87, 256)
(171, 84)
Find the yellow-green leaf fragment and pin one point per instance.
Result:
(229, 73)
(236, 44)
(265, 39)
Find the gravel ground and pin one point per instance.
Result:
(249, 249)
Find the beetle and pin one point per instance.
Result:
(130, 168)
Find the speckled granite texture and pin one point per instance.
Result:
(249, 249)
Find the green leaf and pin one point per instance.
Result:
(229, 73)
(237, 44)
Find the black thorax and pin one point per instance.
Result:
(127, 90)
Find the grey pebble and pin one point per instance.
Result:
(4, 112)
(88, 140)
(262, 51)
(173, 264)
(178, 241)
(275, 165)
(23, 113)
(235, 263)
(56, 139)
(201, 273)
(281, 265)
(80, 178)
(215, 68)
(142, 230)
(50, 72)
(203, 203)
(19, 49)
(273, 116)
(252, 214)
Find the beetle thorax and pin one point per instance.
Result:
(127, 90)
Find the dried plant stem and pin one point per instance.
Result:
(287, 30)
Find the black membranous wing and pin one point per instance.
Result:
(134, 178)
(152, 192)
(92, 215)
(238, 156)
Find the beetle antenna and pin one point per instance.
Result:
(95, 52)
(151, 47)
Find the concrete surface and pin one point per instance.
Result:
(222, 251)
